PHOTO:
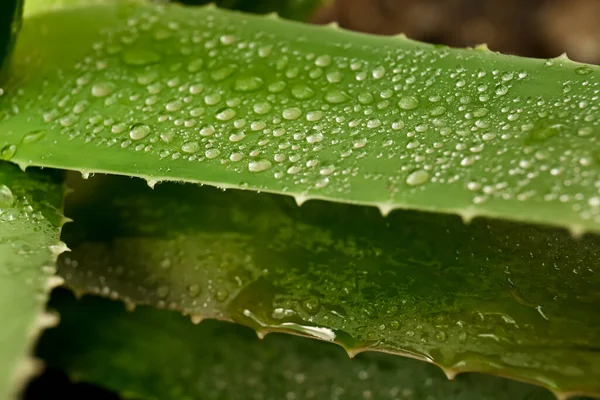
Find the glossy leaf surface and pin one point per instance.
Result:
(30, 220)
(509, 299)
(204, 95)
(100, 342)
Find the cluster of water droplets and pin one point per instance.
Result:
(227, 95)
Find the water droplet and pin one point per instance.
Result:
(302, 91)
(162, 292)
(585, 131)
(223, 73)
(291, 113)
(6, 197)
(139, 131)
(174, 105)
(336, 96)
(323, 61)
(314, 138)
(365, 98)
(541, 135)
(212, 99)
(262, 108)
(212, 153)
(226, 114)
(8, 152)
(140, 57)
(103, 89)
(208, 130)
(33, 137)
(259, 166)
(190, 147)
(235, 157)
(236, 137)
(583, 70)
(194, 290)
(408, 103)
(378, 72)
(417, 178)
(248, 83)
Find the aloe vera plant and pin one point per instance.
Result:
(204, 95)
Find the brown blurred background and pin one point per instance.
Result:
(534, 28)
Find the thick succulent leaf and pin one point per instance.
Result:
(300, 10)
(509, 299)
(203, 95)
(30, 220)
(153, 354)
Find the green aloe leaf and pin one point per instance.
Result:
(203, 95)
(514, 300)
(153, 354)
(300, 10)
(30, 220)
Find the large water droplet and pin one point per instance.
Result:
(545, 133)
(190, 147)
(302, 91)
(139, 131)
(259, 165)
(6, 197)
(8, 152)
(103, 89)
(140, 57)
(408, 103)
(248, 83)
(33, 137)
(335, 96)
(417, 178)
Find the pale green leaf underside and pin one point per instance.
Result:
(152, 354)
(30, 219)
(509, 299)
(203, 95)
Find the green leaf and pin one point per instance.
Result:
(299, 10)
(153, 354)
(509, 299)
(30, 220)
(203, 95)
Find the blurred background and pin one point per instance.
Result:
(533, 28)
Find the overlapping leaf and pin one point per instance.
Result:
(510, 299)
(30, 220)
(152, 354)
(203, 95)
